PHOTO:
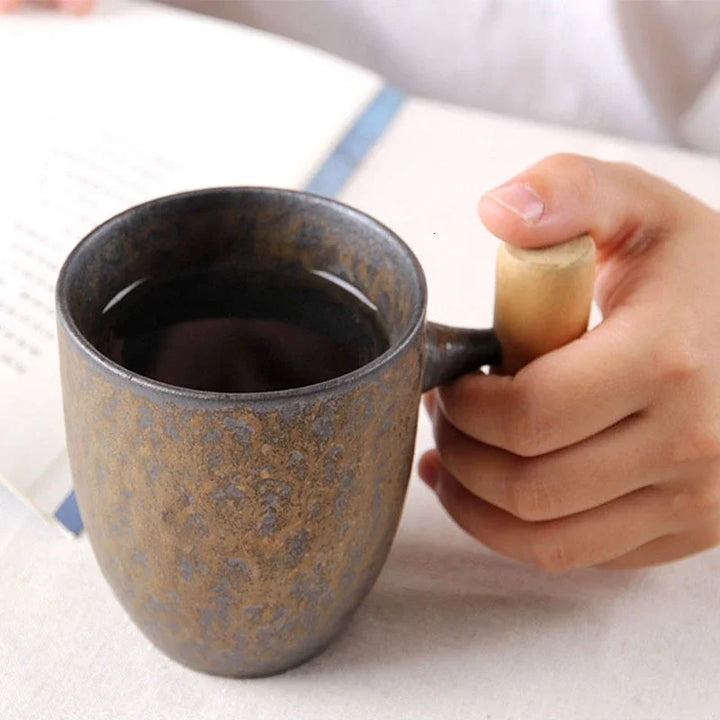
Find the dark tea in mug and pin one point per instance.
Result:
(242, 329)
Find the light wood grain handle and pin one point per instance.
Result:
(542, 299)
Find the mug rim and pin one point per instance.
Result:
(66, 320)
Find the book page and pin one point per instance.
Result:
(65, 192)
(100, 113)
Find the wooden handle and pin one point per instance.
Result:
(542, 299)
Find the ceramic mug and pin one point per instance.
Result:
(240, 531)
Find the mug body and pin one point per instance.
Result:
(240, 530)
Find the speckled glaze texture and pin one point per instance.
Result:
(240, 537)
(240, 531)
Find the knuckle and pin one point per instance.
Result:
(524, 427)
(675, 362)
(529, 497)
(697, 441)
(706, 502)
(579, 170)
(666, 208)
(550, 553)
(697, 505)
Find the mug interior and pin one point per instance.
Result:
(227, 228)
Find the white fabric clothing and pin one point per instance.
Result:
(647, 70)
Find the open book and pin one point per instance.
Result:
(101, 113)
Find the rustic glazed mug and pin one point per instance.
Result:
(240, 531)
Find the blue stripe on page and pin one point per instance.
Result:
(328, 180)
(349, 152)
(69, 514)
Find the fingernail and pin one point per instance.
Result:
(520, 199)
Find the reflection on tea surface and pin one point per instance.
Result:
(241, 330)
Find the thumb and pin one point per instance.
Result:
(562, 196)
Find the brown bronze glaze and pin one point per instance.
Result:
(240, 531)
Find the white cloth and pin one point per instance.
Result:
(646, 70)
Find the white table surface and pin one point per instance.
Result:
(450, 630)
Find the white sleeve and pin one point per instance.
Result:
(639, 69)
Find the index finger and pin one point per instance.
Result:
(560, 398)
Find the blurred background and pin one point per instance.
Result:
(643, 69)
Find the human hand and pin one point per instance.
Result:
(77, 7)
(606, 451)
